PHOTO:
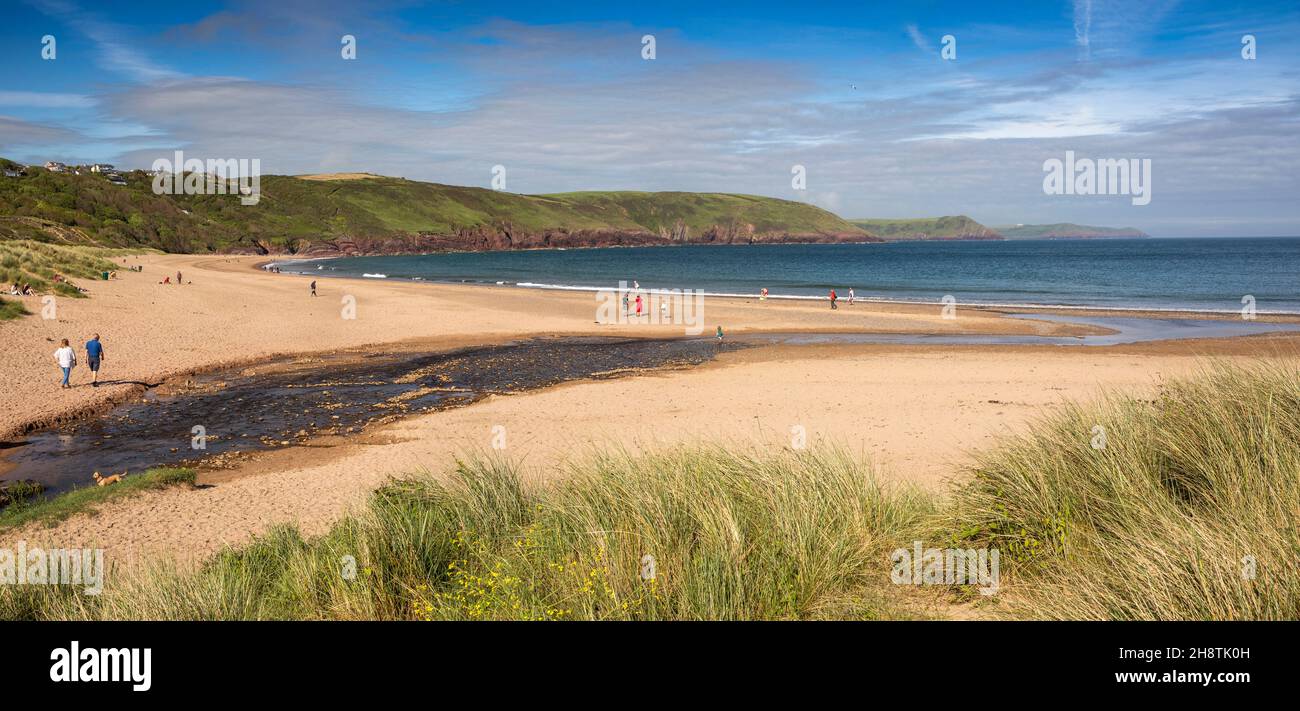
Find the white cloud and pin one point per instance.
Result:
(45, 100)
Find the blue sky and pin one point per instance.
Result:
(738, 94)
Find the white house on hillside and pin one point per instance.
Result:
(102, 168)
(55, 167)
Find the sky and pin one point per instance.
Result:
(736, 97)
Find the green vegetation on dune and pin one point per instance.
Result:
(791, 536)
(294, 213)
(48, 268)
(1188, 511)
(11, 309)
(927, 228)
(1182, 508)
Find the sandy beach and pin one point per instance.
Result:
(917, 411)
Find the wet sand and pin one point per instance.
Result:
(918, 411)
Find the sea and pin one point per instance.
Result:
(1199, 274)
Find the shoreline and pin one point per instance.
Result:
(994, 306)
(105, 398)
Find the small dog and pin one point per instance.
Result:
(106, 480)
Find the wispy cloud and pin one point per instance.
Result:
(115, 52)
(45, 100)
(1083, 26)
(919, 39)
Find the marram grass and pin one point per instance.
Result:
(788, 536)
(1185, 507)
(36, 264)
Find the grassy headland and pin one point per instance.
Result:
(1068, 230)
(374, 213)
(927, 228)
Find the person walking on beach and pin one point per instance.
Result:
(762, 295)
(638, 306)
(67, 359)
(313, 287)
(833, 298)
(178, 277)
(851, 295)
(94, 354)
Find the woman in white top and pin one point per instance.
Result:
(66, 358)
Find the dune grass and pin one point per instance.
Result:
(1182, 507)
(1185, 507)
(37, 264)
(11, 309)
(51, 510)
(789, 536)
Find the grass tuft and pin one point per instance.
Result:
(1190, 510)
(11, 309)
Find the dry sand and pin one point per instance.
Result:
(918, 411)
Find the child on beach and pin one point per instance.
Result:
(313, 287)
(638, 306)
(67, 359)
(833, 298)
(851, 296)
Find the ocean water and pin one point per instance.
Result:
(1158, 274)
